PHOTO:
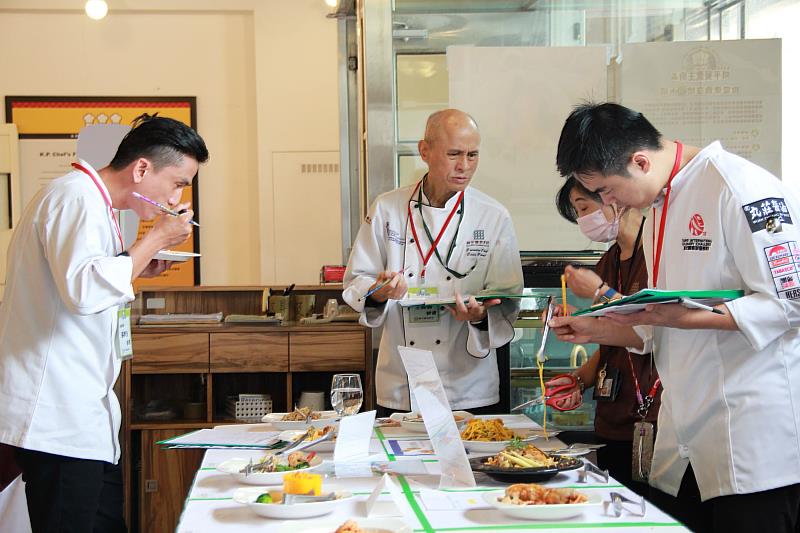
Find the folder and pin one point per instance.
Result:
(638, 301)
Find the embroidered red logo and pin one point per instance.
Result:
(696, 225)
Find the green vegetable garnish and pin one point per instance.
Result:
(264, 498)
(516, 444)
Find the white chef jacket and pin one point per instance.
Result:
(731, 401)
(464, 355)
(58, 322)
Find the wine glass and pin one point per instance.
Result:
(346, 394)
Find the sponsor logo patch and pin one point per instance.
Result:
(784, 263)
(769, 214)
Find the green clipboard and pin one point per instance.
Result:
(638, 301)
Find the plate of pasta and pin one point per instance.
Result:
(520, 463)
(536, 502)
(491, 435)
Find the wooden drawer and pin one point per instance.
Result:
(170, 353)
(326, 352)
(249, 352)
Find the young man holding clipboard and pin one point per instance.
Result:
(729, 425)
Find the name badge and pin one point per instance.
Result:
(423, 314)
(124, 341)
(643, 441)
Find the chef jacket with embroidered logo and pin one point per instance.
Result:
(731, 401)
(57, 360)
(486, 248)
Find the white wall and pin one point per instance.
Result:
(263, 71)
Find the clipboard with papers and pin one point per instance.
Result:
(416, 301)
(638, 301)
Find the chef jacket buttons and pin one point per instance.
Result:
(410, 274)
(411, 241)
(448, 278)
(438, 341)
(411, 343)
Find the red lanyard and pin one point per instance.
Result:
(426, 257)
(657, 250)
(105, 198)
(644, 403)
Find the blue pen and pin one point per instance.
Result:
(162, 207)
(379, 287)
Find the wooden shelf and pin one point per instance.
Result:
(206, 364)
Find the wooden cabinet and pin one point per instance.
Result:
(250, 352)
(180, 377)
(165, 480)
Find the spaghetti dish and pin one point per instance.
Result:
(515, 457)
(533, 494)
(491, 430)
(300, 415)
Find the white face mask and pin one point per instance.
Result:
(597, 228)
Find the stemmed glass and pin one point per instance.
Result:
(346, 394)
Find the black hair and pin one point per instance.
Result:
(563, 204)
(601, 138)
(163, 141)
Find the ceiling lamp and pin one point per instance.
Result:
(96, 9)
(331, 3)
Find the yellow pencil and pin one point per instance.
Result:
(564, 295)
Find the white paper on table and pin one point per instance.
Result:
(352, 440)
(240, 436)
(385, 508)
(437, 500)
(410, 447)
(424, 380)
(411, 467)
(350, 469)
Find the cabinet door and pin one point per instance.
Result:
(326, 352)
(165, 480)
(249, 352)
(169, 353)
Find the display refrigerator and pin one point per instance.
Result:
(542, 273)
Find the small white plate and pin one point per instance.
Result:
(369, 525)
(559, 511)
(326, 418)
(291, 435)
(234, 468)
(413, 421)
(247, 496)
(175, 255)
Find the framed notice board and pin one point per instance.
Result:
(48, 130)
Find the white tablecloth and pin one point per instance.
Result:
(210, 508)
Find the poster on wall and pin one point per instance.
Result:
(701, 92)
(48, 130)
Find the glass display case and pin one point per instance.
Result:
(562, 358)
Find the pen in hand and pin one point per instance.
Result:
(162, 207)
(697, 305)
(379, 286)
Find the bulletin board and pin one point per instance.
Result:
(48, 129)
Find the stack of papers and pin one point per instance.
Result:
(638, 301)
(177, 318)
(251, 319)
(234, 436)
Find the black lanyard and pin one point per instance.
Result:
(623, 287)
(444, 263)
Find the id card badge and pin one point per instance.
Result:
(423, 314)
(643, 436)
(124, 340)
(607, 384)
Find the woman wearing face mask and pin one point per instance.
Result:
(612, 371)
